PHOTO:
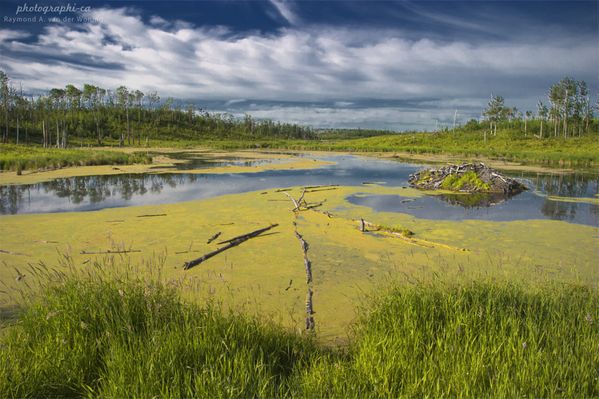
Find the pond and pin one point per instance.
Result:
(98, 192)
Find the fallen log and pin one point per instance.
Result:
(322, 189)
(248, 235)
(233, 242)
(320, 186)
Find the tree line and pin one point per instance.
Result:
(129, 116)
(569, 112)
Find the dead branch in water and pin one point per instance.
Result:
(118, 251)
(310, 324)
(214, 237)
(231, 243)
(307, 262)
(407, 237)
(289, 286)
(314, 205)
(12, 253)
(320, 186)
(151, 215)
(321, 189)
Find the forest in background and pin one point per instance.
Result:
(73, 116)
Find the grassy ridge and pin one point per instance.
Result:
(21, 157)
(107, 338)
(509, 145)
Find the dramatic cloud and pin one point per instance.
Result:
(305, 64)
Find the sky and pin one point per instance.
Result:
(394, 65)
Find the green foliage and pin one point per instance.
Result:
(129, 116)
(396, 229)
(510, 144)
(19, 157)
(114, 339)
(466, 181)
(479, 340)
(100, 337)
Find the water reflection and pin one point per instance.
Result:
(90, 190)
(97, 192)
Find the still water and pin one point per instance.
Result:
(98, 192)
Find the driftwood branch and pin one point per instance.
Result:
(300, 199)
(307, 262)
(151, 215)
(231, 243)
(293, 200)
(297, 203)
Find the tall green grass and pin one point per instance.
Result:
(21, 157)
(101, 337)
(475, 341)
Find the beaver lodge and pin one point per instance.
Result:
(468, 178)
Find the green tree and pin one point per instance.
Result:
(495, 112)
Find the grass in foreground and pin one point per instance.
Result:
(21, 157)
(107, 338)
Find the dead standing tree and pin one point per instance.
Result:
(299, 205)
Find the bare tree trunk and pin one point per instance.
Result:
(64, 137)
(566, 116)
(5, 138)
(17, 130)
(587, 125)
(541, 128)
(128, 129)
(455, 116)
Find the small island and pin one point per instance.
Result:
(467, 177)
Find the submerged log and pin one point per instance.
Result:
(310, 323)
(214, 237)
(233, 242)
(116, 251)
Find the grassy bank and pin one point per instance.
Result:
(123, 338)
(508, 145)
(28, 157)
